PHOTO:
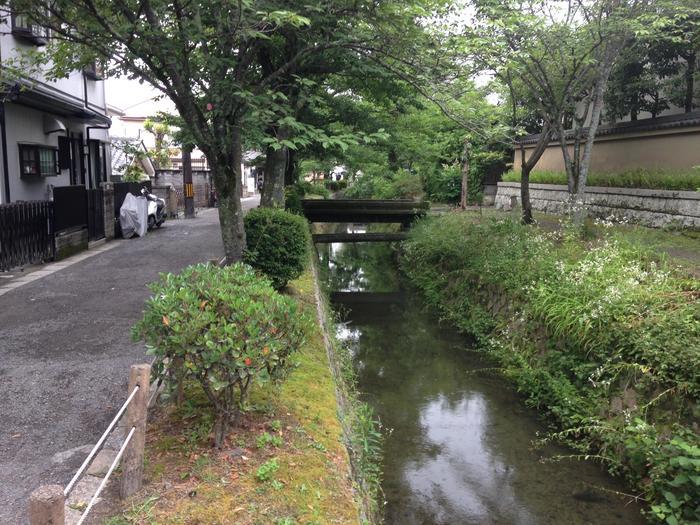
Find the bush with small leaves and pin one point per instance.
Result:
(278, 244)
(227, 327)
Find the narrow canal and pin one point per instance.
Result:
(458, 446)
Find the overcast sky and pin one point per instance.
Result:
(134, 98)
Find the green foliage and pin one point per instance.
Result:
(402, 185)
(335, 185)
(267, 470)
(134, 173)
(676, 479)
(300, 190)
(602, 336)
(278, 244)
(226, 327)
(161, 132)
(688, 180)
(444, 184)
(367, 444)
(266, 438)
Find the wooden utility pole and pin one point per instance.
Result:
(465, 174)
(188, 187)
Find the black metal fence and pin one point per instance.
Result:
(26, 233)
(95, 214)
(70, 208)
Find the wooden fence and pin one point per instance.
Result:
(47, 503)
(26, 233)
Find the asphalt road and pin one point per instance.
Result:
(65, 352)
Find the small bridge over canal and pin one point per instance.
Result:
(360, 211)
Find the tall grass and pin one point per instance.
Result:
(677, 180)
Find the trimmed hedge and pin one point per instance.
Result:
(688, 180)
(278, 244)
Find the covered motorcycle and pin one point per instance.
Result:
(133, 216)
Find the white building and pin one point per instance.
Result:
(131, 103)
(52, 133)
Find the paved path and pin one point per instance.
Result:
(65, 352)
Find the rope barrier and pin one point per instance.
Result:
(109, 473)
(99, 443)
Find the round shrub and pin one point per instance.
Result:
(278, 244)
(225, 328)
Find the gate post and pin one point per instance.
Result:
(108, 208)
(47, 506)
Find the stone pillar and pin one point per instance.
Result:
(108, 196)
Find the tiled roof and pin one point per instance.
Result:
(682, 120)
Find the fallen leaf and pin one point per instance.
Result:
(166, 321)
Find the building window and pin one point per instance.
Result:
(23, 27)
(94, 71)
(38, 161)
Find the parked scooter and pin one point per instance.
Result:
(156, 209)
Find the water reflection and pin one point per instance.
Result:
(459, 451)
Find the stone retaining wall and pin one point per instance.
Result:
(201, 180)
(655, 208)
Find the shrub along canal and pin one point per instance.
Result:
(458, 440)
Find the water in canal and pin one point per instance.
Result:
(458, 444)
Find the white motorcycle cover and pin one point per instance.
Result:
(133, 216)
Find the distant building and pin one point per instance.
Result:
(51, 133)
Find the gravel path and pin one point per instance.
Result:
(65, 352)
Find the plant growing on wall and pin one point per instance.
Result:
(229, 330)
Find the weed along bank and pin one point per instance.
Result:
(457, 440)
(600, 336)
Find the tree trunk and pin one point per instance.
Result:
(226, 173)
(585, 162)
(690, 81)
(273, 185)
(465, 175)
(291, 175)
(525, 168)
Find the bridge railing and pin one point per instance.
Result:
(360, 210)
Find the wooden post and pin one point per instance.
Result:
(136, 416)
(187, 185)
(47, 506)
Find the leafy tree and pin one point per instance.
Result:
(204, 56)
(562, 55)
(160, 154)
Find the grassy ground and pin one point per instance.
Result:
(285, 463)
(681, 246)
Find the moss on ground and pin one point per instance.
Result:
(291, 438)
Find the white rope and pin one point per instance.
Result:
(106, 478)
(99, 444)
